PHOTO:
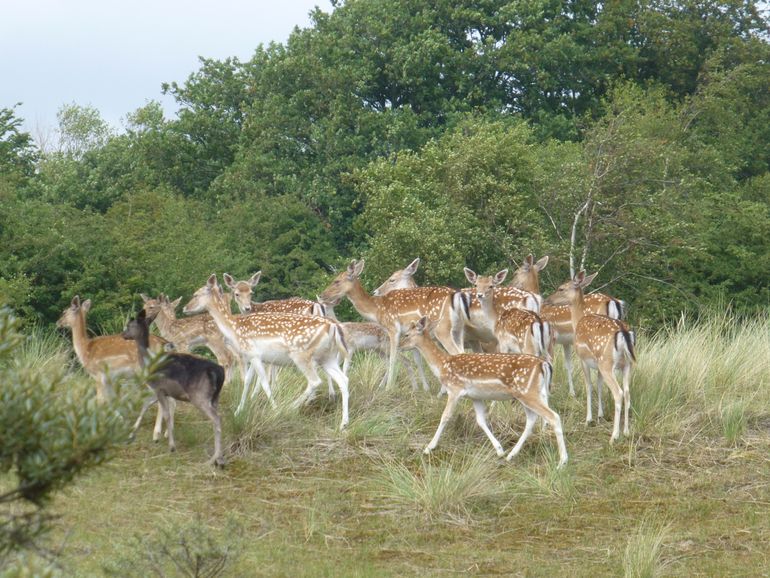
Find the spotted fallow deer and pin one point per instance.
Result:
(401, 279)
(183, 377)
(242, 292)
(514, 330)
(602, 343)
(308, 342)
(489, 376)
(103, 357)
(186, 333)
(558, 316)
(445, 306)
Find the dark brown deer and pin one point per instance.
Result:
(183, 377)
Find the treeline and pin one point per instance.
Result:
(630, 137)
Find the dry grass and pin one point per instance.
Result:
(688, 493)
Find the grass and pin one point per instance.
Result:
(643, 555)
(687, 493)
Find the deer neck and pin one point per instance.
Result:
(433, 354)
(531, 283)
(488, 309)
(224, 320)
(142, 347)
(577, 309)
(365, 304)
(164, 321)
(80, 339)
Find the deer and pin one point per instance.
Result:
(105, 356)
(602, 343)
(514, 330)
(483, 377)
(395, 310)
(476, 324)
(368, 336)
(180, 376)
(187, 333)
(401, 279)
(242, 291)
(279, 338)
(527, 277)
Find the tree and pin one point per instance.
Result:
(17, 151)
(465, 199)
(81, 129)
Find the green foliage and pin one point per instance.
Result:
(81, 129)
(53, 430)
(465, 199)
(626, 137)
(17, 152)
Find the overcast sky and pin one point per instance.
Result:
(114, 55)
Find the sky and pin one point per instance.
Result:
(114, 55)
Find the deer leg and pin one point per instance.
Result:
(568, 367)
(169, 417)
(392, 367)
(481, 419)
(617, 395)
(210, 411)
(539, 407)
(531, 419)
(587, 377)
(599, 387)
(333, 370)
(263, 380)
(451, 403)
(626, 395)
(247, 379)
(147, 403)
(308, 368)
(158, 429)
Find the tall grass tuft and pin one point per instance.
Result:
(689, 374)
(438, 488)
(260, 423)
(546, 478)
(642, 557)
(733, 419)
(43, 349)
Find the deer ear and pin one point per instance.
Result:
(212, 280)
(540, 265)
(470, 275)
(254, 279)
(144, 297)
(500, 276)
(359, 268)
(528, 260)
(412, 268)
(422, 324)
(587, 280)
(86, 305)
(75, 303)
(229, 281)
(176, 302)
